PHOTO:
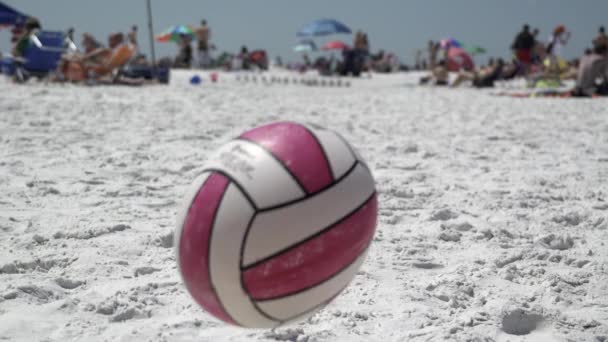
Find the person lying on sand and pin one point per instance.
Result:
(482, 78)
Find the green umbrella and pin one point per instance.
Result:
(475, 50)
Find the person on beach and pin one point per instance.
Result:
(184, 57)
(601, 39)
(242, 61)
(593, 68)
(23, 42)
(522, 47)
(439, 75)
(203, 33)
(432, 49)
(538, 50)
(360, 49)
(483, 78)
(132, 37)
(557, 41)
(69, 40)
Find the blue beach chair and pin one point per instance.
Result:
(42, 55)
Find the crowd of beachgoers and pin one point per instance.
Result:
(539, 62)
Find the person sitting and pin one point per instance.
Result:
(602, 38)
(484, 78)
(592, 68)
(439, 74)
(242, 61)
(23, 41)
(97, 62)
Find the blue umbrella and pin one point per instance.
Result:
(9, 16)
(323, 27)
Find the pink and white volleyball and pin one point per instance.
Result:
(277, 225)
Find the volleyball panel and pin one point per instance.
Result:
(297, 149)
(277, 230)
(232, 218)
(259, 173)
(184, 208)
(315, 260)
(193, 245)
(339, 154)
(290, 307)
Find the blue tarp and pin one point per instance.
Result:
(9, 16)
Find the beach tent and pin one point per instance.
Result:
(458, 59)
(10, 16)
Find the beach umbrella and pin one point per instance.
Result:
(458, 58)
(10, 16)
(475, 50)
(173, 33)
(335, 45)
(305, 46)
(449, 42)
(323, 27)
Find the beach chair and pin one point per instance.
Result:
(7, 65)
(42, 55)
(112, 65)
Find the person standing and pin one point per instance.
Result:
(184, 57)
(523, 45)
(132, 37)
(558, 39)
(203, 34)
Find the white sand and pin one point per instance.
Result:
(493, 211)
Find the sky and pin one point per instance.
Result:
(399, 26)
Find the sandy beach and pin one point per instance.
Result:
(493, 217)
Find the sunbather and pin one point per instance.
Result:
(439, 75)
(98, 62)
(483, 78)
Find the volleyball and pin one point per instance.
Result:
(276, 225)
